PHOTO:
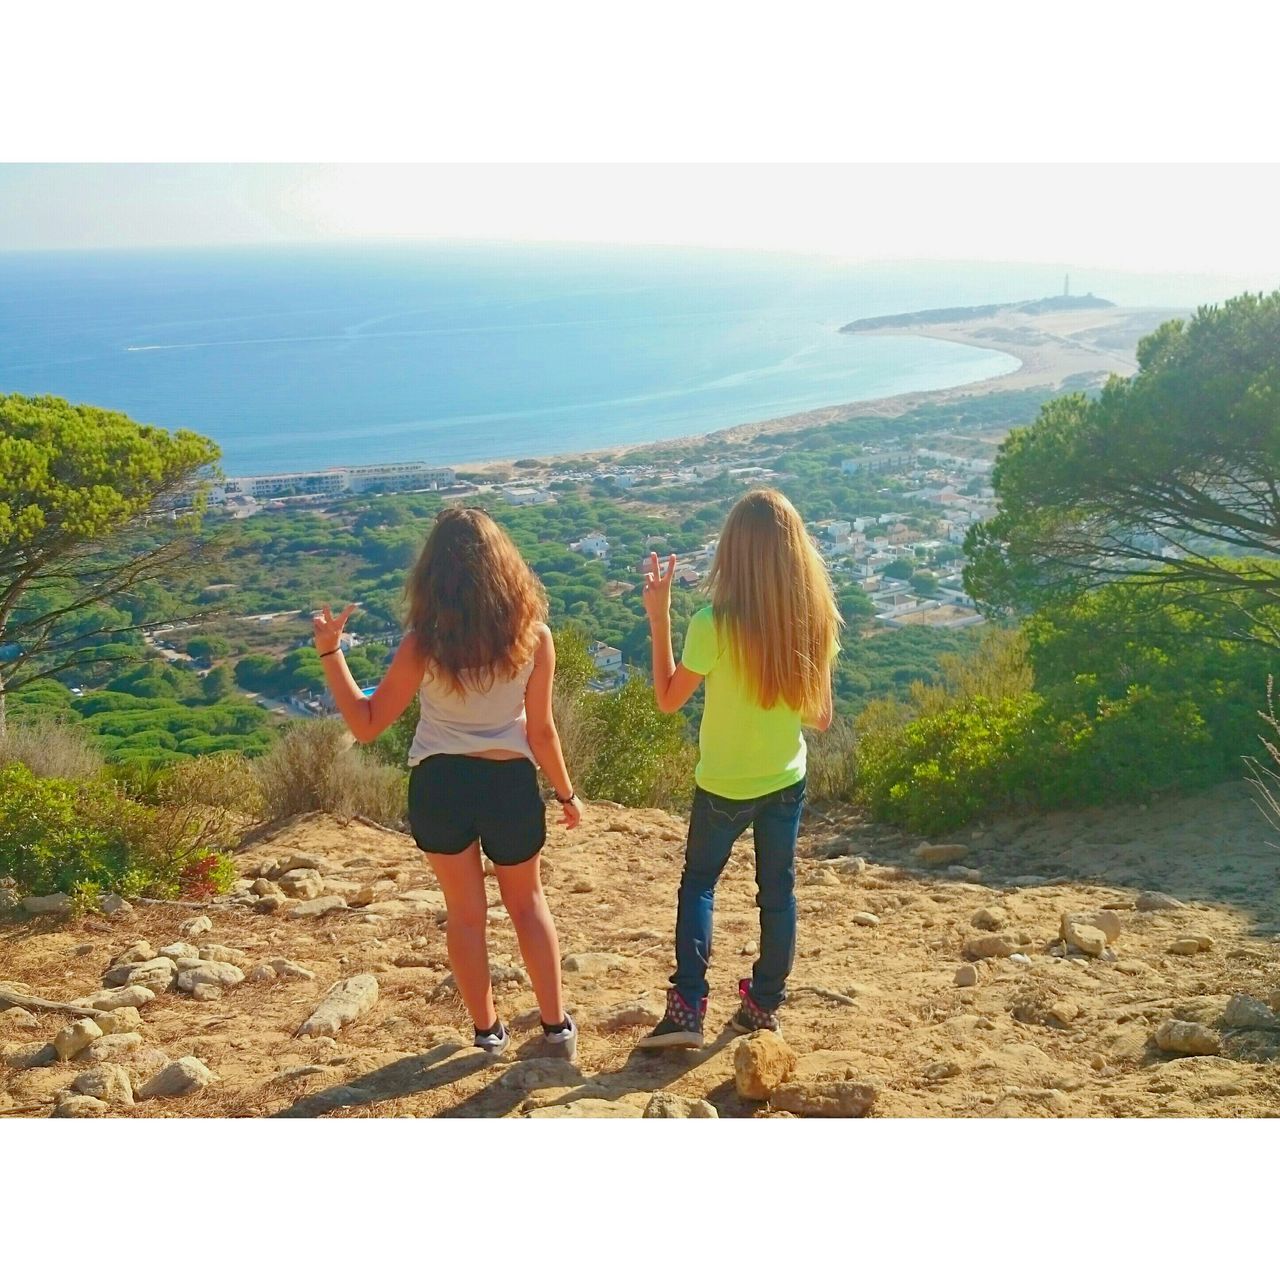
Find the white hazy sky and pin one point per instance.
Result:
(1188, 218)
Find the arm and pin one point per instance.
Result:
(673, 682)
(822, 721)
(540, 728)
(367, 717)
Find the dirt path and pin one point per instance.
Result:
(1040, 1033)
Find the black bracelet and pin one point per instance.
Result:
(328, 653)
(573, 795)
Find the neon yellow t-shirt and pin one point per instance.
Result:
(744, 750)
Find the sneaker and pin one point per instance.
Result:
(681, 1026)
(494, 1043)
(750, 1016)
(563, 1043)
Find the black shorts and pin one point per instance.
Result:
(456, 800)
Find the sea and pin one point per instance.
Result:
(309, 356)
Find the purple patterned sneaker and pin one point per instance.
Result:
(680, 1028)
(750, 1016)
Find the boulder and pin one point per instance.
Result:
(52, 904)
(595, 964)
(299, 862)
(186, 1075)
(211, 973)
(113, 904)
(156, 975)
(1191, 944)
(135, 953)
(990, 946)
(1084, 937)
(176, 951)
(938, 855)
(302, 883)
(117, 1021)
(344, 1002)
(966, 976)
(1149, 900)
(670, 1106)
(262, 973)
(223, 955)
(990, 919)
(866, 918)
(1187, 1038)
(845, 1099)
(315, 908)
(121, 998)
(284, 968)
(107, 1081)
(362, 896)
(195, 926)
(1245, 1013)
(206, 991)
(18, 1020)
(110, 1046)
(761, 1062)
(1108, 922)
(74, 1037)
(31, 1056)
(78, 1106)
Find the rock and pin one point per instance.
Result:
(1189, 1038)
(990, 919)
(1064, 1011)
(1191, 944)
(595, 964)
(536, 1073)
(824, 876)
(866, 918)
(315, 907)
(938, 855)
(107, 1081)
(587, 1109)
(271, 902)
(111, 1046)
(1149, 900)
(115, 1021)
(300, 862)
(362, 897)
(31, 1056)
(1019, 958)
(1084, 937)
(71, 1039)
(943, 1069)
(52, 904)
(761, 1062)
(18, 1020)
(630, 1013)
(223, 955)
(206, 991)
(135, 953)
(78, 1106)
(1107, 922)
(121, 998)
(114, 905)
(143, 1063)
(990, 946)
(341, 888)
(195, 926)
(845, 1099)
(302, 884)
(966, 976)
(1245, 1013)
(211, 973)
(262, 973)
(156, 975)
(851, 866)
(186, 1075)
(288, 968)
(344, 1002)
(176, 951)
(432, 898)
(670, 1106)
(264, 888)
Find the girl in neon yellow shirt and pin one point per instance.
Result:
(764, 646)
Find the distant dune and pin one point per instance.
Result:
(955, 315)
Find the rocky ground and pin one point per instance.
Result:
(1114, 963)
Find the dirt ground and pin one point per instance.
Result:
(1041, 1033)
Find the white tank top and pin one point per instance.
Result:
(490, 719)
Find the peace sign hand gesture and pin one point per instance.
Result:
(657, 587)
(328, 629)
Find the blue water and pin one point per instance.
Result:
(308, 357)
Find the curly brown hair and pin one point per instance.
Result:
(473, 604)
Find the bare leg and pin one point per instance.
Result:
(522, 895)
(462, 880)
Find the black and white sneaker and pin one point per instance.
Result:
(562, 1040)
(494, 1041)
(750, 1016)
(681, 1026)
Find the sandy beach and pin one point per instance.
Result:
(1051, 348)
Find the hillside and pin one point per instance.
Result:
(951, 315)
(874, 997)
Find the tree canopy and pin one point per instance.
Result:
(1169, 478)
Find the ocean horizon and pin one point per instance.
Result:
(305, 357)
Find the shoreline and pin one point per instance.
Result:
(1049, 348)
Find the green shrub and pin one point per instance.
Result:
(91, 837)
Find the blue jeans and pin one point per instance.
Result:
(714, 825)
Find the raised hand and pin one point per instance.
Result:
(328, 629)
(657, 587)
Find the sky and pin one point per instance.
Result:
(1176, 218)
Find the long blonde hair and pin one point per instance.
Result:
(772, 597)
(473, 602)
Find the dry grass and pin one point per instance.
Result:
(51, 749)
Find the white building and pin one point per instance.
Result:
(379, 476)
(607, 659)
(594, 545)
(875, 462)
(526, 497)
